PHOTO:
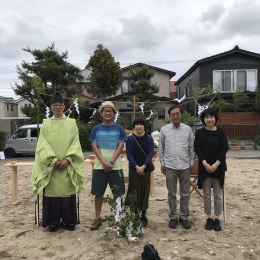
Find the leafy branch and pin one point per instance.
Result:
(124, 216)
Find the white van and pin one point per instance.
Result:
(23, 141)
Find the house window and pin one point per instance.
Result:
(161, 113)
(7, 107)
(27, 105)
(233, 80)
(12, 108)
(188, 89)
(126, 87)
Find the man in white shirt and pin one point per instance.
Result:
(176, 154)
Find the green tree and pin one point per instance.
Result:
(143, 90)
(221, 105)
(106, 76)
(55, 72)
(197, 94)
(141, 82)
(257, 99)
(239, 99)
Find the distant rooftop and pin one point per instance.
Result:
(7, 99)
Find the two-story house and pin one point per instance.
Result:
(22, 103)
(229, 71)
(162, 98)
(8, 112)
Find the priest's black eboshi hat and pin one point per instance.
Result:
(57, 98)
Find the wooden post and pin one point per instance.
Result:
(14, 185)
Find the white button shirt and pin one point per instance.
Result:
(176, 150)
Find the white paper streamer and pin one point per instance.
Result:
(116, 117)
(129, 230)
(142, 107)
(201, 108)
(151, 113)
(118, 215)
(180, 100)
(75, 102)
(94, 112)
(47, 112)
(69, 112)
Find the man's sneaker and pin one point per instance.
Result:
(216, 224)
(173, 223)
(209, 224)
(185, 223)
(144, 219)
(96, 224)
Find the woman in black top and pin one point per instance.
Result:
(140, 150)
(211, 146)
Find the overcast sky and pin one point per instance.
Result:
(168, 34)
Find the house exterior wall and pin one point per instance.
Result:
(5, 125)
(10, 125)
(21, 103)
(160, 78)
(8, 109)
(194, 79)
(2, 108)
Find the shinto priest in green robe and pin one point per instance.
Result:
(58, 140)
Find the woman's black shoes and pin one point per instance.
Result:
(209, 224)
(217, 226)
(213, 224)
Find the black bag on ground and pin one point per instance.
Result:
(150, 253)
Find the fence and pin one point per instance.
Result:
(242, 132)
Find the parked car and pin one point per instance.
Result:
(23, 141)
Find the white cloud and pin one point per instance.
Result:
(168, 34)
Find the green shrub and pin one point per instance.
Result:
(239, 99)
(257, 99)
(84, 133)
(257, 142)
(3, 137)
(222, 105)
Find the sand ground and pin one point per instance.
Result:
(239, 239)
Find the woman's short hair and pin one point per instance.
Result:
(137, 121)
(211, 112)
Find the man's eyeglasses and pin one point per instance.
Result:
(57, 105)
